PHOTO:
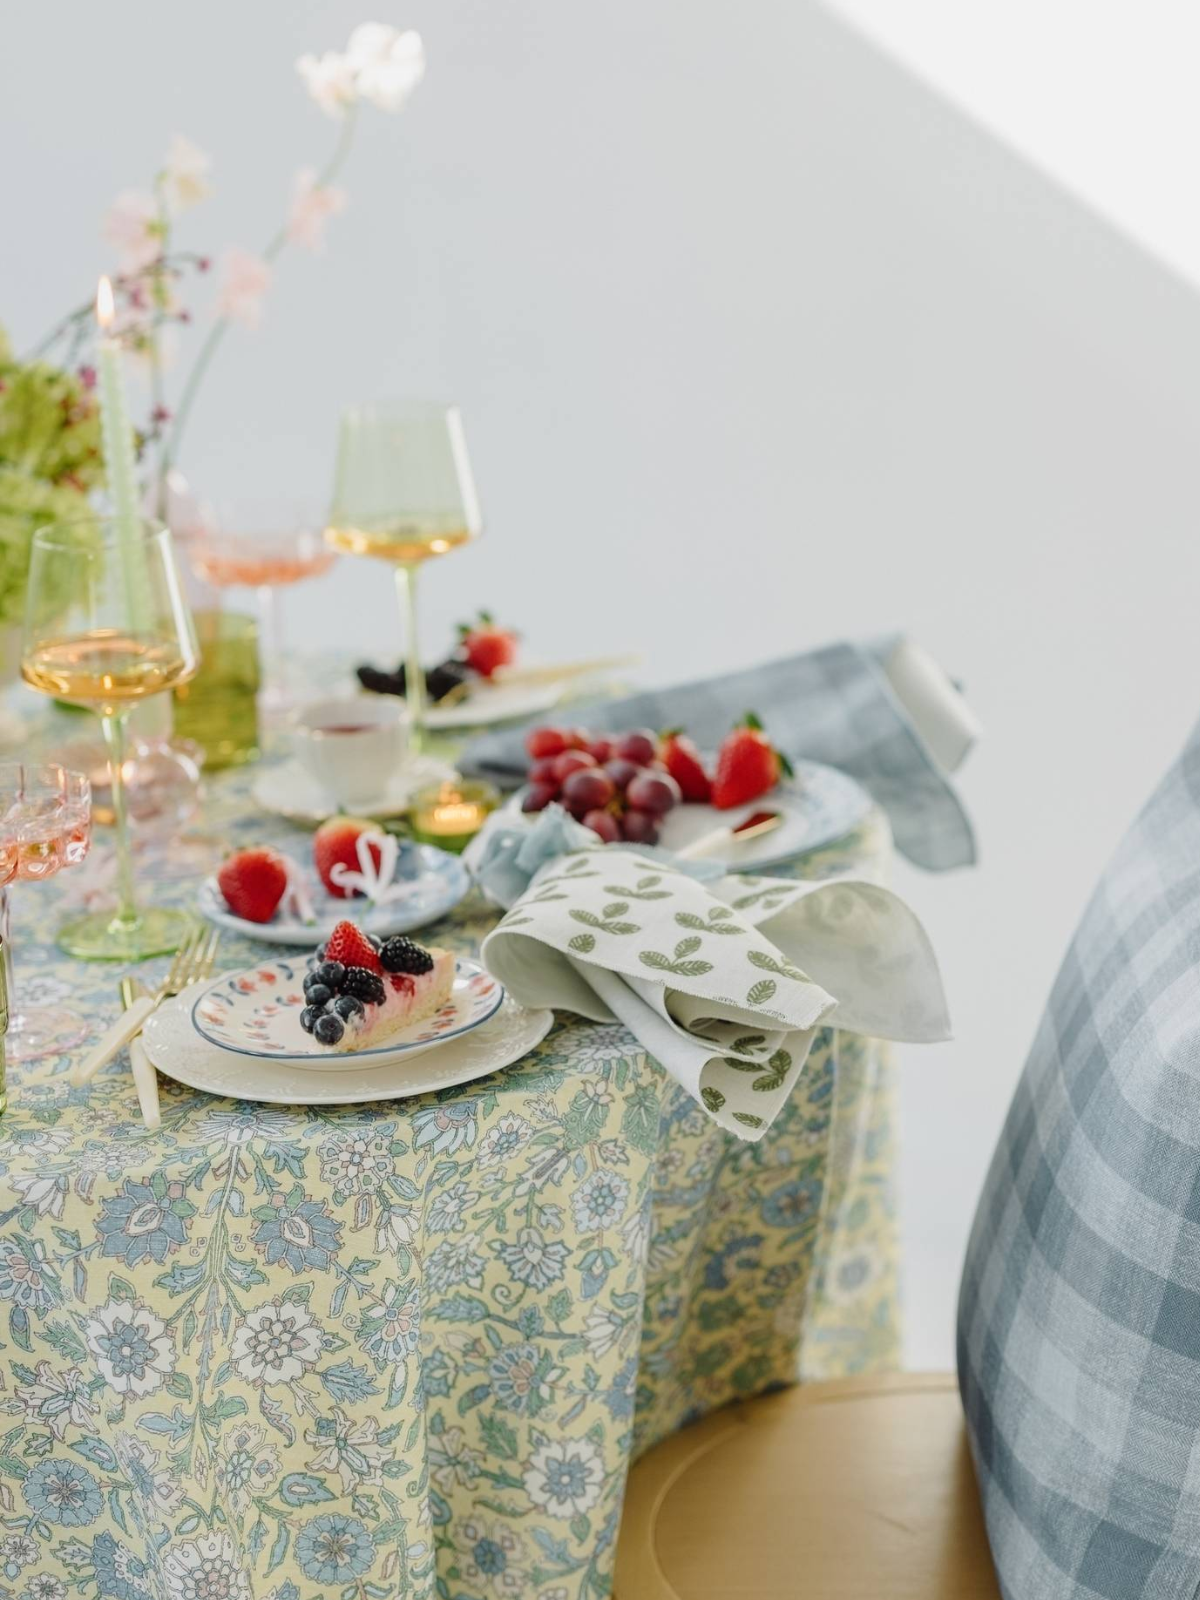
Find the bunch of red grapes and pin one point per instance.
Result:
(616, 787)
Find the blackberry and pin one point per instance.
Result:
(364, 985)
(331, 973)
(317, 994)
(347, 1006)
(308, 1018)
(403, 955)
(329, 1029)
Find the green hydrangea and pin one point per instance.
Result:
(50, 458)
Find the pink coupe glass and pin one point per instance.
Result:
(263, 548)
(45, 827)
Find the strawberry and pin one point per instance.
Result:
(350, 945)
(682, 760)
(748, 765)
(337, 841)
(253, 883)
(485, 647)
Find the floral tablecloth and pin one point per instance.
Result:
(406, 1349)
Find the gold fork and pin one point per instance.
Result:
(192, 961)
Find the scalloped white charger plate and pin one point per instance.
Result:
(179, 1052)
(256, 1012)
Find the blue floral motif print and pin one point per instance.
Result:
(132, 1348)
(522, 1378)
(64, 1493)
(297, 1231)
(535, 1260)
(445, 1128)
(26, 1275)
(334, 1549)
(146, 1220)
(118, 1571)
(792, 1204)
(599, 1202)
(391, 1330)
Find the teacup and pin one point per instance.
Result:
(353, 746)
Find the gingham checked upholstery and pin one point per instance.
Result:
(1079, 1312)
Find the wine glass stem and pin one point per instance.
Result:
(114, 737)
(270, 625)
(6, 955)
(414, 673)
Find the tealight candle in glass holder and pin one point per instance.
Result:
(450, 814)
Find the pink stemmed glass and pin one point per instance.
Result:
(45, 827)
(264, 548)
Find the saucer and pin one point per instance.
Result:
(435, 881)
(179, 1052)
(256, 1012)
(290, 791)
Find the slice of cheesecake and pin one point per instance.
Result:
(408, 998)
(359, 993)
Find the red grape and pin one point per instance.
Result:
(545, 742)
(543, 771)
(603, 823)
(640, 747)
(578, 738)
(639, 827)
(601, 748)
(538, 796)
(621, 772)
(656, 792)
(589, 787)
(571, 761)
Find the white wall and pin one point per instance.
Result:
(758, 344)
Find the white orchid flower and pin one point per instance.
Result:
(185, 174)
(390, 64)
(330, 80)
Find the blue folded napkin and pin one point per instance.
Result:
(834, 705)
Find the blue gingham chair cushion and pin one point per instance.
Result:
(1079, 1312)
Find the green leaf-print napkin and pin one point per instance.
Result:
(723, 983)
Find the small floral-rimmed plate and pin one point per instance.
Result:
(257, 1013)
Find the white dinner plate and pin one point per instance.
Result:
(290, 790)
(434, 881)
(256, 1012)
(820, 804)
(179, 1052)
(488, 703)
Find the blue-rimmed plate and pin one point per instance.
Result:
(256, 1012)
(433, 880)
(817, 806)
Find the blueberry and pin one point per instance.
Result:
(308, 1018)
(329, 1029)
(331, 973)
(347, 1006)
(318, 994)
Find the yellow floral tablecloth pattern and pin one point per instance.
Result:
(406, 1349)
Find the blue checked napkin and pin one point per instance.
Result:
(878, 711)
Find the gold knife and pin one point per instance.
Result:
(144, 1076)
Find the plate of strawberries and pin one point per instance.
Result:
(647, 788)
(390, 885)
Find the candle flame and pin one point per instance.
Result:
(106, 307)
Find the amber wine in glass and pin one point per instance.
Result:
(404, 493)
(106, 625)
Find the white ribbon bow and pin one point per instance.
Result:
(376, 882)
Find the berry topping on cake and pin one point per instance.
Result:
(364, 984)
(336, 843)
(349, 946)
(253, 883)
(355, 996)
(404, 955)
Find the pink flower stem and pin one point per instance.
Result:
(220, 326)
